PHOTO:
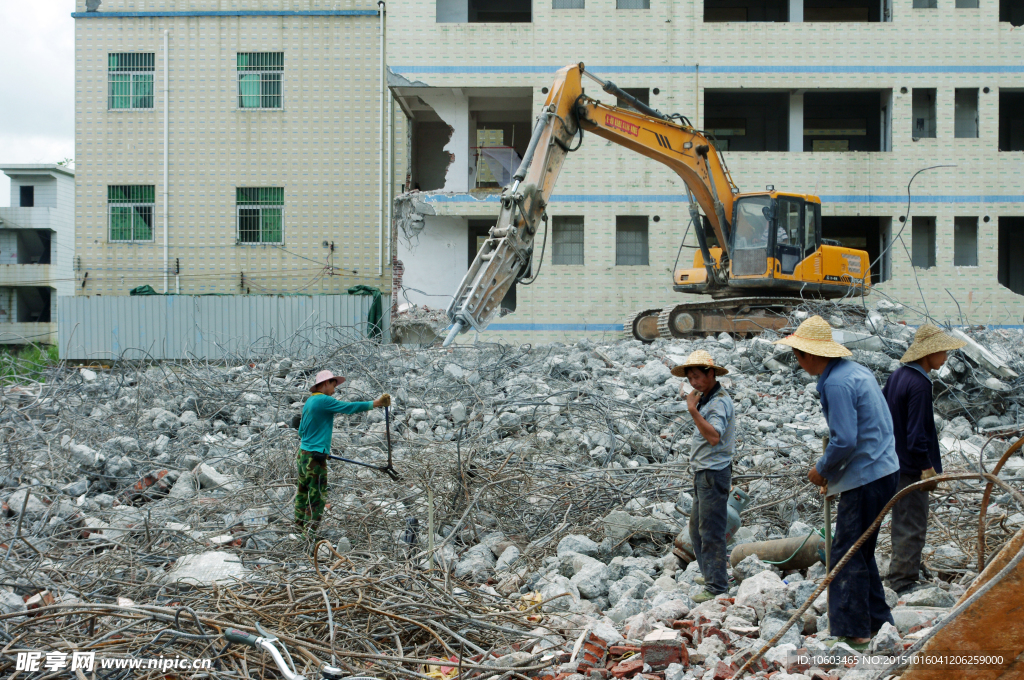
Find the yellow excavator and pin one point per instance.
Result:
(759, 254)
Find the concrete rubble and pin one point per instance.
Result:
(554, 478)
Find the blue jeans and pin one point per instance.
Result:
(856, 600)
(708, 520)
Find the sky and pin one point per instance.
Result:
(37, 84)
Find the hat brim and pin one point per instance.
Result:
(937, 343)
(339, 378)
(680, 370)
(819, 348)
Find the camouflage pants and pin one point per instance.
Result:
(311, 490)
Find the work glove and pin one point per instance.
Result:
(383, 400)
(928, 474)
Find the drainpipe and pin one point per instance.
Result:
(382, 11)
(166, 112)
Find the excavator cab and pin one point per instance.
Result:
(773, 233)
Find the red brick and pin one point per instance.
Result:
(619, 650)
(628, 668)
(724, 671)
(599, 674)
(658, 654)
(741, 658)
(595, 651)
(794, 666)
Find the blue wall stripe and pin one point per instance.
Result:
(672, 198)
(680, 68)
(233, 13)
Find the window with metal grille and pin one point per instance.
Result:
(631, 240)
(260, 214)
(567, 240)
(130, 208)
(568, 4)
(632, 4)
(259, 79)
(130, 80)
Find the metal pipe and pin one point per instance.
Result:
(524, 165)
(167, 109)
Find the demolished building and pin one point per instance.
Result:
(818, 115)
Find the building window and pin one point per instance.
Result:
(568, 4)
(1011, 120)
(1012, 11)
(485, 11)
(967, 4)
(260, 214)
(259, 79)
(926, 4)
(1011, 253)
(965, 241)
(631, 240)
(965, 111)
(642, 94)
(28, 196)
(632, 4)
(567, 240)
(923, 112)
(131, 212)
(922, 236)
(130, 80)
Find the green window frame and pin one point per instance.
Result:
(130, 212)
(130, 80)
(259, 79)
(260, 214)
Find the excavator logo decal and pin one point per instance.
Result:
(614, 123)
(663, 141)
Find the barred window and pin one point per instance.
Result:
(130, 208)
(567, 240)
(260, 214)
(130, 80)
(631, 240)
(259, 79)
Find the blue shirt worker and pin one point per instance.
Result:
(315, 432)
(860, 465)
(909, 395)
(711, 449)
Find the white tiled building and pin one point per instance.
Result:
(37, 235)
(844, 100)
(252, 167)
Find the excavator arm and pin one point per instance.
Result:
(508, 251)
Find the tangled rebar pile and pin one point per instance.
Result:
(148, 506)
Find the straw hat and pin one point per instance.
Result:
(928, 340)
(814, 336)
(698, 359)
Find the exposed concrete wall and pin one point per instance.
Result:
(453, 108)
(435, 261)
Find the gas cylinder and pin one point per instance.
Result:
(738, 501)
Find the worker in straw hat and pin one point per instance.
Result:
(860, 465)
(315, 432)
(909, 394)
(711, 449)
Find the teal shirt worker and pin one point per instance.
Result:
(317, 426)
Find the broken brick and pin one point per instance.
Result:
(660, 653)
(628, 668)
(595, 652)
(724, 671)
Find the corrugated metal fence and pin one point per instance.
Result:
(175, 327)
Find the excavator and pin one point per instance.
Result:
(759, 254)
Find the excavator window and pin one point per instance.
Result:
(812, 218)
(750, 236)
(789, 230)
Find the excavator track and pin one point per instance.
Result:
(732, 315)
(642, 325)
